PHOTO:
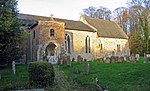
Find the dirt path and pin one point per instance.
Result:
(63, 83)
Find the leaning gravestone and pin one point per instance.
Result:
(98, 87)
(86, 68)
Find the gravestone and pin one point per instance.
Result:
(107, 60)
(124, 58)
(112, 59)
(121, 59)
(127, 59)
(86, 68)
(98, 87)
(101, 60)
(14, 67)
(79, 58)
(137, 57)
(68, 60)
(133, 58)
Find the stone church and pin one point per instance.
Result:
(89, 38)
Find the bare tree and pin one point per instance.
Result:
(101, 12)
(121, 16)
(90, 11)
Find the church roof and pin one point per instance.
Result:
(106, 28)
(69, 24)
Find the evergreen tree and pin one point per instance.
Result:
(10, 31)
(136, 42)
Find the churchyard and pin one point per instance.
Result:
(81, 76)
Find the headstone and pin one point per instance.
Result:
(137, 57)
(112, 59)
(107, 60)
(13, 67)
(121, 59)
(124, 58)
(98, 87)
(146, 59)
(68, 60)
(133, 58)
(128, 59)
(79, 58)
(86, 68)
(101, 60)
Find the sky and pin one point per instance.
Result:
(66, 9)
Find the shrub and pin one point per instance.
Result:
(41, 74)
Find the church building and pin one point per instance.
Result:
(89, 38)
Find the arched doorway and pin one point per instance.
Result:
(50, 53)
(50, 50)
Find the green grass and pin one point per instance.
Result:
(114, 77)
(18, 81)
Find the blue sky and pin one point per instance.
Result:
(66, 9)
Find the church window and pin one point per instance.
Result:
(101, 46)
(68, 43)
(52, 32)
(87, 44)
(118, 47)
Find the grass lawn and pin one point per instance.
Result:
(18, 81)
(114, 77)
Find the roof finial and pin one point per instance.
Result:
(51, 17)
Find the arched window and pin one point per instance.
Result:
(87, 45)
(118, 47)
(68, 43)
(52, 32)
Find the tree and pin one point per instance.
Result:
(138, 19)
(121, 17)
(90, 11)
(10, 32)
(136, 42)
(103, 13)
(100, 13)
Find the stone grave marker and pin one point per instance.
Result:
(79, 58)
(86, 68)
(113, 59)
(121, 59)
(68, 60)
(98, 87)
(107, 60)
(133, 58)
(13, 67)
(137, 57)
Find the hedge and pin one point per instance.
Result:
(41, 74)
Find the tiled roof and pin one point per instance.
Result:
(69, 24)
(106, 28)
